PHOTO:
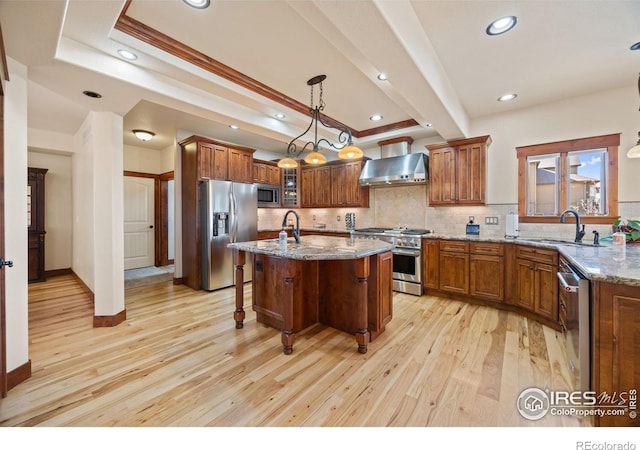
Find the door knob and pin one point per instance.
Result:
(5, 263)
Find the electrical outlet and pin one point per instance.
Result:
(471, 219)
(337, 218)
(314, 217)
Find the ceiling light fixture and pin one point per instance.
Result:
(92, 94)
(198, 4)
(234, 127)
(143, 135)
(634, 152)
(375, 117)
(126, 54)
(635, 46)
(382, 76)
(501, 25)
(507, 97)
(280, 116)
(345, 141)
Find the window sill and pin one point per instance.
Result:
(602, 220)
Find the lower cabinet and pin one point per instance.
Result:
(616, 349)
(536, 281)
(486, 271)
(454, 266)
(514, 277)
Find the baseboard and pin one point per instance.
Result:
(18, 375)
(85, 288)
(110, 321)
(58, 272)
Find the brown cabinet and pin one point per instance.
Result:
(334, 184)
(241, 165)
(486, 271)
(454, 266)
(431, 263)
(316, 187)
(536, 281)
(616, 347)
(266, 172)
(457, 172)
(35, 224)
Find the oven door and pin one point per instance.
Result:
(407, 263)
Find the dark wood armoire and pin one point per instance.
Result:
(35, 223)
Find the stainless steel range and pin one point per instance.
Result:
(407, 255)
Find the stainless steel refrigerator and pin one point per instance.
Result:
(229, 214)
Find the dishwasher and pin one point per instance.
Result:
(575, 315)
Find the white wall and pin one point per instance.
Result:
(58, 214)
(15, 222)
(139, 159)
(609, 112)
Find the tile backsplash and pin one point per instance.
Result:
(407, 206)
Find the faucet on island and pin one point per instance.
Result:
(296, 230)
(579, 232)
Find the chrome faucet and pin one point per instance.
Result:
(296, 230)
(579, 232)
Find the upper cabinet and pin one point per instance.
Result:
(266, 172)
(457, 172)
(333, 185)
(209, 159)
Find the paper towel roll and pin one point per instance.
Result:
(512, 225)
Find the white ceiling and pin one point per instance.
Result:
(443, 68)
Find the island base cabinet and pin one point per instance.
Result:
(616, 351)
(269, 291)
(325, 291)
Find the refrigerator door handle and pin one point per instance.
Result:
(234, 216)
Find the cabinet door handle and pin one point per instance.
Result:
(5, 263)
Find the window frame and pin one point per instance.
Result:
(610, 141)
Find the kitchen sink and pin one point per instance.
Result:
(562, 242)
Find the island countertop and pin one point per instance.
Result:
(316, 247)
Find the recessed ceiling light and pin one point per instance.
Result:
(428, 124)
(199, 4)
(507, 97)
(280, 116)
(234, 127)
(382, 76)
(126, 54)
(92, 94)
(375, 117)
(143, 135)
(501, 25)
(636, 46)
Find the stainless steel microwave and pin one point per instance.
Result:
(268, 196)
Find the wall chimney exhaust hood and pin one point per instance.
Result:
(397, 166)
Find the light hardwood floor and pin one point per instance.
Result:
(179, 361)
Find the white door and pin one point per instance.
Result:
(139, 233)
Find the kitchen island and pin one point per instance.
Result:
(341, 282)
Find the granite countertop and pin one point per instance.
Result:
(609, 263)
(316, 247)
(321, 230)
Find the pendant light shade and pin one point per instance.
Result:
(350, 152)
(287, 163)
(634, 152)
(315, 158)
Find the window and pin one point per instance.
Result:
(580, 174)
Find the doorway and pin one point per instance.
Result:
(139, 222)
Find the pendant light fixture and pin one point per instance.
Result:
(345, 141)
(634, 152)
